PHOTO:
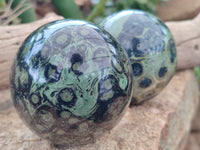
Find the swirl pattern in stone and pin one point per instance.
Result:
(70, 82)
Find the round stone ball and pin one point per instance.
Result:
(71, 82)
(150, 47)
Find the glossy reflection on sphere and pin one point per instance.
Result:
(70, 82)
(150, 47)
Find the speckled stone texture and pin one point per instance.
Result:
(71, 82)
(155, 125)
(150, 47)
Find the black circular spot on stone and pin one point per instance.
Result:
(172, 51)
(137, 69)
(135, 44)
(162, 72)
(35, 99)
(76, 59)
(51, 73)
(146, 82)
(67, 97)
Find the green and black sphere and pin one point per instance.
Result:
(71, 82)
(150, 47)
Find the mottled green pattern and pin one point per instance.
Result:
(150, 47)
(71, 81)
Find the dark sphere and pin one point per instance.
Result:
(71, 82)
(150, 47)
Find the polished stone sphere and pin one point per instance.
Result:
(71, 82)
(150, 47)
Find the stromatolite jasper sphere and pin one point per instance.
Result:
(150, 47)
(71, 82)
